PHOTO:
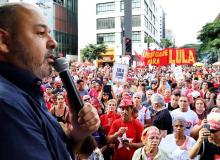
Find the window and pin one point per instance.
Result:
(150, 26)
(154, 8)
(136, 21)
(146, 7)
(106, 23)
(154, 20)
(136, 37)
(106, 38)
(105, 8)
(154, 31)
(136, 5)
(146, 22)
(150, 14)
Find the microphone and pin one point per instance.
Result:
(61, 65)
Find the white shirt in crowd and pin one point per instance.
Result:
(143, 114)
(175, 153)
(117, 90)
(190, 116)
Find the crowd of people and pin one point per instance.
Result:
(151, 115)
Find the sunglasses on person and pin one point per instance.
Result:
(176, 126)
(85, 100)
(213, 131)
(105, 94)
(141, 81)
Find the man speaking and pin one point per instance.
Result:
(27, 129)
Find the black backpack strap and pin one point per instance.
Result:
(141, 153)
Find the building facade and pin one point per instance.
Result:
(102, 21)
(62, 16)
(169, 35)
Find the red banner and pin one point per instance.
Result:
(180, 56)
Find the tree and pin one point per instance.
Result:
(210, 38)
(168, 43)
(93, 51)
(198, 53)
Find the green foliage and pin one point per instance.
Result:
(168, 43)
(93, 51)
(210, 38)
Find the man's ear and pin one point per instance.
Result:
(4, 41)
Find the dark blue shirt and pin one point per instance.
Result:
(27, 129)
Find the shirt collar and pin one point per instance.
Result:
(17, 76)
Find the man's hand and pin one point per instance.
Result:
(121, 130)
(86, 122)
(127, 144)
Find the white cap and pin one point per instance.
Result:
(196, 94)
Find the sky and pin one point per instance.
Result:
(187, 17)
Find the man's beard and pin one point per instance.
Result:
(23, 59)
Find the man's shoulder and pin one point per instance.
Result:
(192, 113)
(8, 89)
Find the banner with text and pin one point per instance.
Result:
(180, 56)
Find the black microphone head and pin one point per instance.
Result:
(61, 64)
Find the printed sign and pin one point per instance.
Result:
(178, 73)
(120, 72)
(172, 66)
(140, 64)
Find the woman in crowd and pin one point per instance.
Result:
(151, 150)
(198, 126)
(106, 121)
(204, 87)
(89, 150)
(60, 110)
(200, 106)
(104, 96)
(140, 80)
(178, 145)
(207, 145)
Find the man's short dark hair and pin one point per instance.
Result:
(196, 78)
(8, 16)
(99, 82)
(185, 97)
(178, 94)
(79, 81)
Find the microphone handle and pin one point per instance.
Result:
(72, 91)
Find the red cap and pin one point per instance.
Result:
(129, 78)
(126, 103)
(57, 82)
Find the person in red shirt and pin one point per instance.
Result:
(195, 87)
(106, 121)
(125, 133)
(167, 95)
(49, 96)
(215, 84)
(98, 88)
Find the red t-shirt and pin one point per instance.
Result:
(107, 120)
(167, 100)
(135, 129)
(200, 115)
(96, 94)
(216, 85)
